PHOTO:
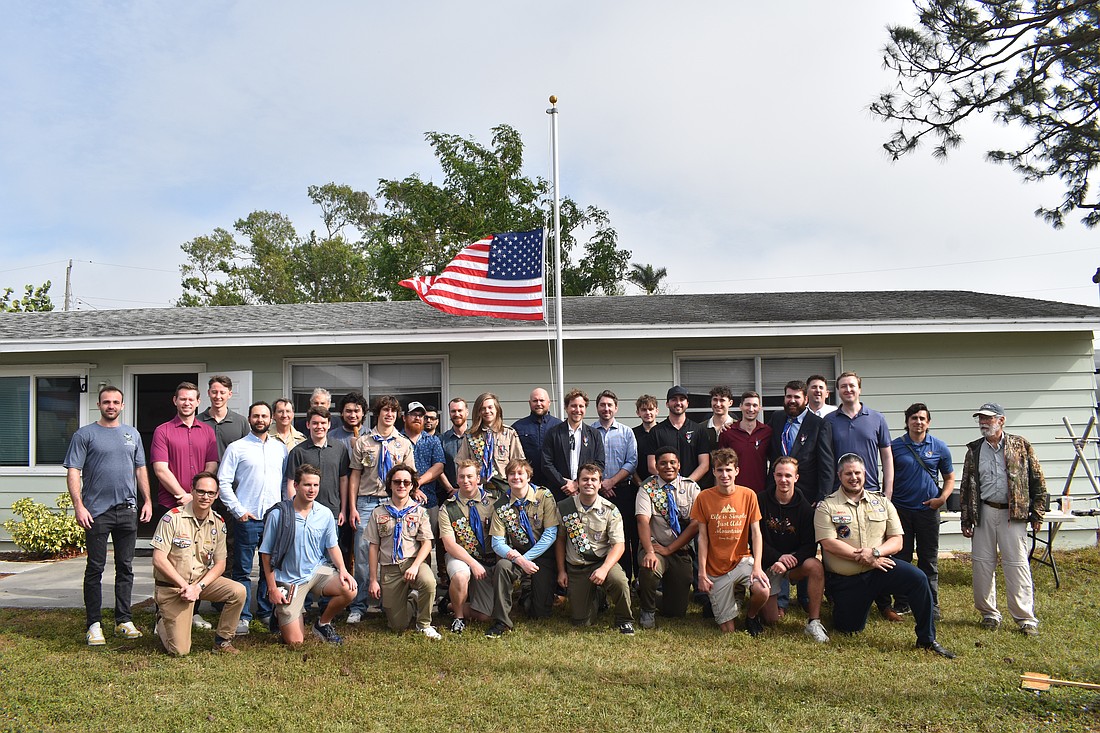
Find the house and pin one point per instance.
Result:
(951, 350)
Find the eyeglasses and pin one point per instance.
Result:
(413, 416)
(401, 482)
(198, 492)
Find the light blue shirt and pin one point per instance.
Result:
(620, 448)
(314, 535)
(256, 466)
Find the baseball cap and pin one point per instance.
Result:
(675, 391)
(415, 406)
(990, 409)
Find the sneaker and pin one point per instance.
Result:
(355, 617)
(626, 628)
(199, 622)
(497, 630)
(990, 624)
(903, 610)
(754, 626)
(374, 610)
(225, 647)
(458, 626)
(127, 630)
(648, 619)
(95, 635)
(266, 621)
(327, 633)
(816, 631)
(430, 632)
(242, 628)
(1029, 629)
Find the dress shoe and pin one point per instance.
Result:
(936, 648)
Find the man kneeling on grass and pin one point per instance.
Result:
(298, 534)
(189, 565)
(464, 530)
(400, 536)
(588, 552)
(727, 516)
(790, 550)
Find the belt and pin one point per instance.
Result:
(995, 504)
(164, 584)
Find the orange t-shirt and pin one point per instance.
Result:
(727, 520)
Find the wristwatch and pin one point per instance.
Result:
(202, 586)
(875, 553)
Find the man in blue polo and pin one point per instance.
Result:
(919, 460)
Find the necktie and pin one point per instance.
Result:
(475, 523)
(398, 516)
(789, 431)
(673, 513)
(385, 460)
(524, 521)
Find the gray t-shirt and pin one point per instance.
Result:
(107, 459)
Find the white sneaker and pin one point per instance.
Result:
(648, 619)
(127, 630)
(95, 635)
(430, 632)
(200, 623)
(355, 617)
(816, 631)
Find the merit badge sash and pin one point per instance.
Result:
(517, 535)
(578, 535)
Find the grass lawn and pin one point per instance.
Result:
(548, 676)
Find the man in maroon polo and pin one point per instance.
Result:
(182, 448)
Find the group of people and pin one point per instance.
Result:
(732, 513)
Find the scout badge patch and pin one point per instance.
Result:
(574, 525)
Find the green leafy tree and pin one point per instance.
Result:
(1034, 65)
(648, 278)
(34, 299)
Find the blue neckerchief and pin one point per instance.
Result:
(385, 460)
(487, 457)
(475, 521)
(788, 435)
(673, 513)
(398, 515)
(524, 521)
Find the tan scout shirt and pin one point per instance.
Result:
(193, 547)
(365, 456)
(416, 528)
(589, 532)
(506, 446)
(859, 523)
(459, 529)
(685, 491)
(541, 510)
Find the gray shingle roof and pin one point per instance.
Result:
(601, 312)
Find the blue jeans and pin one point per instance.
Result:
(365, 505)
(852, 596)
(246, 536)
(119, 523)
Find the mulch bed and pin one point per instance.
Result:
(20, 556)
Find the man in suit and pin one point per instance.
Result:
(799, 433)
(569, 446)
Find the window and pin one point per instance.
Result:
(764, 373)
(416, 379)
(41, 413)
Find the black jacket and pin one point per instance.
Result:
(555, 455)
(786, 529)
(813, 449)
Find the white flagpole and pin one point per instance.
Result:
(560, 371)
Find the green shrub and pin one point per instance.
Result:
(44, 531)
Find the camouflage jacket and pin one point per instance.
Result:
(1027, 488)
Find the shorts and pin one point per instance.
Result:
(286, 613)
(724, 596)
(479, 592)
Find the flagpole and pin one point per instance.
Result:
(560, 371)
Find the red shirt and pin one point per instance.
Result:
(752, 453)
(185, 450)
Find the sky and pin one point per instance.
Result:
(731, 143)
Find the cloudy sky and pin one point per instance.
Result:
(730, 142)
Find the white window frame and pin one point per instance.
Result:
(366, 362)
(32, 372)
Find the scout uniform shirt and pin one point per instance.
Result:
(859, 523)
(454, 521)
(541, 510)
(193, 547)
(506, 446)
(652, 502)
(415, 528)
(591, 531)
(366, 456)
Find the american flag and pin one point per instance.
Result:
(499, 276)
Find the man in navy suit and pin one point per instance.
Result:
(802, 435)
(570, 445)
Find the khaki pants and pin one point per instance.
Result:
(396, 595)
(176, 613)
(584, 595)
(995, 532)
(676, 571)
